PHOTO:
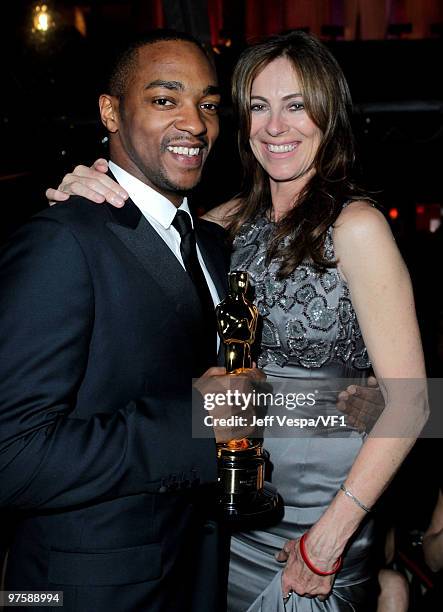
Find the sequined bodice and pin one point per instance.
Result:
(308, 318)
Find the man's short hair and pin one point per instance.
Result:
(126, 62)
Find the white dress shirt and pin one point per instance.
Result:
(160, 213)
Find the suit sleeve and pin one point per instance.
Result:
(49, 458)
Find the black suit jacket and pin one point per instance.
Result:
(98, 329)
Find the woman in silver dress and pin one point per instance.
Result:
(336, 298)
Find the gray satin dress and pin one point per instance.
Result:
(310, 330)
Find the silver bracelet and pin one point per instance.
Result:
(354, 499)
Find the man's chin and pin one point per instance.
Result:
(185, 185)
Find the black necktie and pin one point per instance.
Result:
(206, 345)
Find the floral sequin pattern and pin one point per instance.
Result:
(307, 319)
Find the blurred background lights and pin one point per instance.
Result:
(42, 18)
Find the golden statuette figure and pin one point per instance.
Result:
(237, 323)
(244, 497)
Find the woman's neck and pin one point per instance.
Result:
(284, 195)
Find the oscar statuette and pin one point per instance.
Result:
(244, 496)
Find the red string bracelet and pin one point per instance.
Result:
(308, 562)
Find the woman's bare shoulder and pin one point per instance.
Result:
(362, 237)
(358, 219)
(222, 214)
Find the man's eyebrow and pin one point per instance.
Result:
(174, 85)
(211, 90)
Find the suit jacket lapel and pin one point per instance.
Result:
(217, 262)
(213, 258)
(137, 234)
(131, 227)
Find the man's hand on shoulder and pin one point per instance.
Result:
(91, 183)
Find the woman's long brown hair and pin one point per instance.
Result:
(327, 102)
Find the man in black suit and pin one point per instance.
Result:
(101, 334)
